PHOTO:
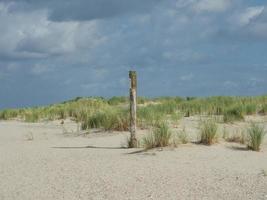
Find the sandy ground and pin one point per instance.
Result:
(42, 162)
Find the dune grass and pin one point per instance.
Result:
(235, 113)
(256, 135)
(208, 131)
(111, 114)
(109, 119)
(160, 137)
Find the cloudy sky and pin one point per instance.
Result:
(55, 50)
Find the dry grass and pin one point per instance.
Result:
(182, 136)
(236, 135)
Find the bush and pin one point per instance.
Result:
(208, 132)
(160, 137)
(233, 114)
(256, 135)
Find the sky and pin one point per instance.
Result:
(55, 50)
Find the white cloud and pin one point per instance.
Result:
(249, 14)
(31, 35)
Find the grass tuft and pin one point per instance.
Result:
(256, 135)
(208, 132)
(160, 137)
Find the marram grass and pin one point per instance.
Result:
(112, 114)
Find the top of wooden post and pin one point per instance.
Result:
(132, 76)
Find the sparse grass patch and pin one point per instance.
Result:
(175, 117)
(256, 135)
(182, 136)
(160, 137)
(237, 136)
(149, 141)
(208, 132)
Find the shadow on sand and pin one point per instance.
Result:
(238, 148)
(90, 147)
(107, 148)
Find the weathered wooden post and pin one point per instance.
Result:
(133, 140)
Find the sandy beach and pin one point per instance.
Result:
(46, 161)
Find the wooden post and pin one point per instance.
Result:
(133, 140)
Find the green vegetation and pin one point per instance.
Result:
(109, 119)
(8, 114)
(160, 137)
(232, 114)
(208, 132)
(256, 135)
(112, 114)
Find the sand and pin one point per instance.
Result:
(43, 161)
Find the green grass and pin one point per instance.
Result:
(9, 114)
(234, 113)
(208, 132)
(160, 137)
(112, 114)
(256, 135)
(109, 119)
